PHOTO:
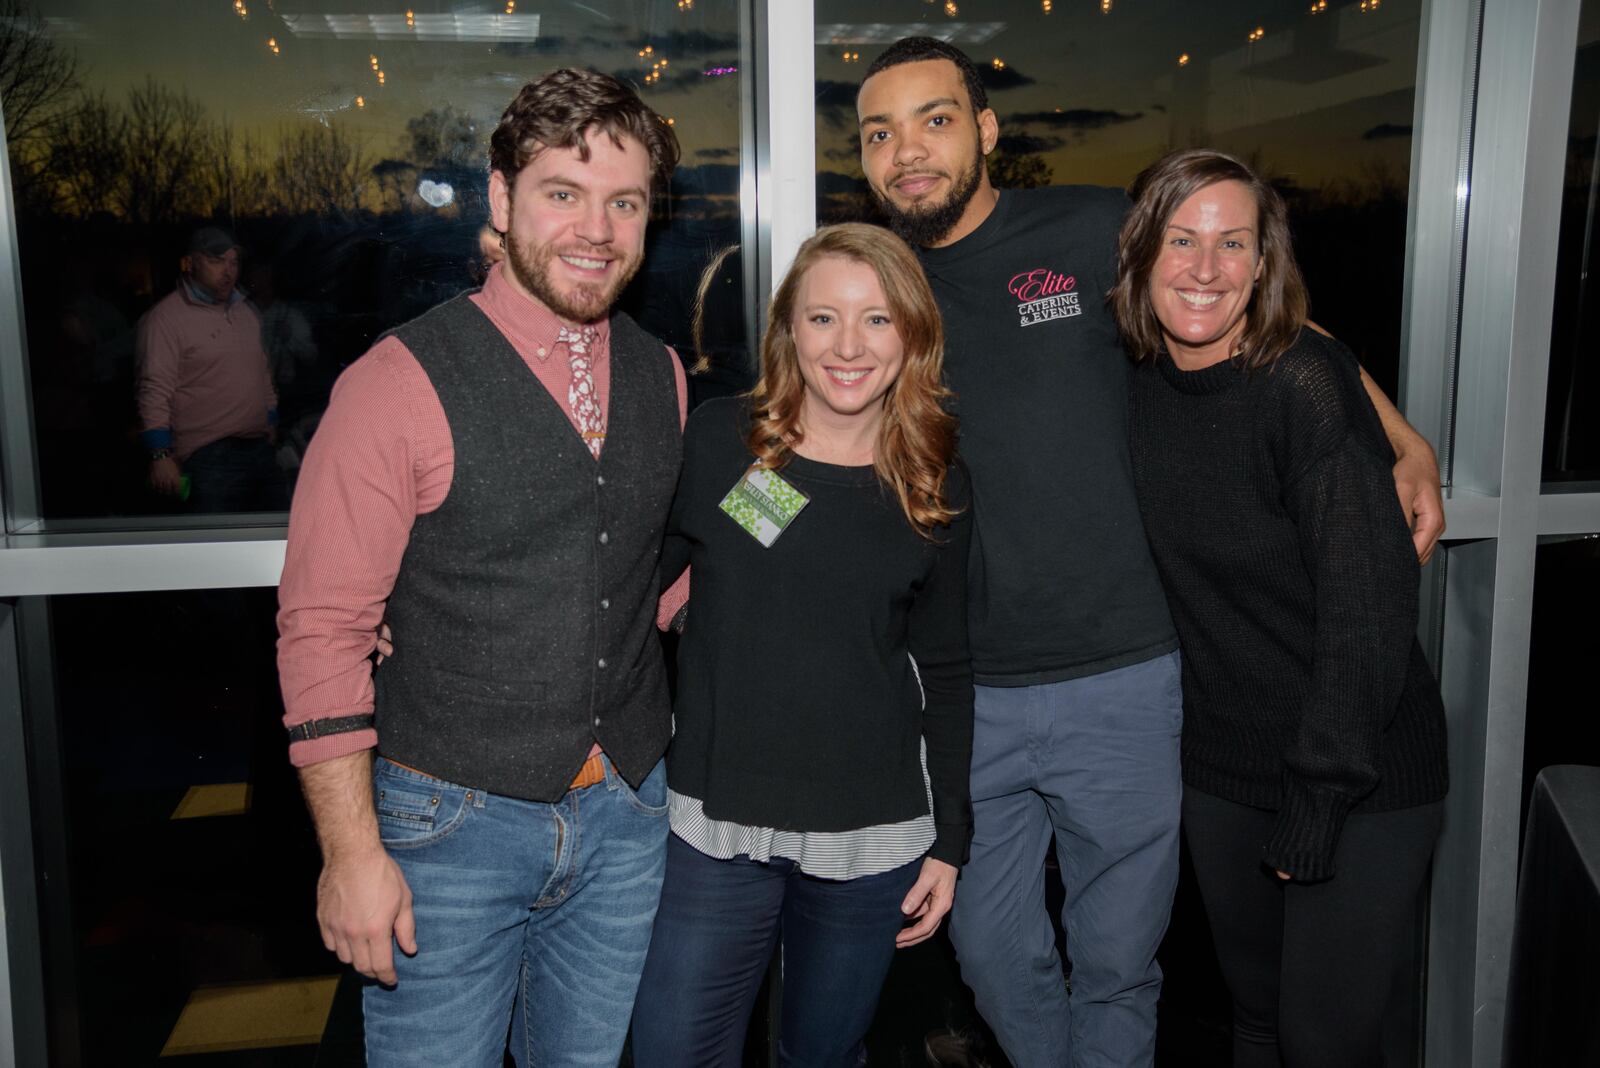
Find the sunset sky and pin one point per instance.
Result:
(1098, 93)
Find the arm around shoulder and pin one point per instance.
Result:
(1416, 473)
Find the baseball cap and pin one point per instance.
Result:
(212, 240)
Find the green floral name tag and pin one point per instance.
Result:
(763, 504)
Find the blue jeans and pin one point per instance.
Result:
(713, 939)
(1092, 762)
(532, 919)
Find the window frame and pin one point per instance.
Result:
(1475, 328)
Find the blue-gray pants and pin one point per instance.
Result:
(1094, 762)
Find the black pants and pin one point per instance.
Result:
(1310, 967)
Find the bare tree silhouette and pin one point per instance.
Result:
(168, 138)
(445, 138)
(1013, 171)
(37, 75)
(87, 157)
(235, 176)
(159, 158)
(320, 169)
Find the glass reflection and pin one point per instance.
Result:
(1566, 587)
(1571, 441)
(344, 155)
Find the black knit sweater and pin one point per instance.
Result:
(1269, 503)
(798, 706)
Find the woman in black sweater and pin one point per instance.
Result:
(823, 719)
(1314, 735)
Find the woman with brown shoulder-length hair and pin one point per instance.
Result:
(823, 721)
(1313, 736)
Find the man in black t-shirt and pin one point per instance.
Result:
(1078, 705)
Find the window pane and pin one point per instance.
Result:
(1566, 585)
(175, 861)
(1571, 436)
(346, 153)
(1317, 97)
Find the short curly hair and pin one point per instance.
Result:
(556, 111)
(921, 49)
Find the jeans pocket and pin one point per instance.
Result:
(651, 796)
(414, 810)
(1175, 689)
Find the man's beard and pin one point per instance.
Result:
(583, 303)
(926, 226)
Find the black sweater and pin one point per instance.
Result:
(1269, 502)
(798, 706)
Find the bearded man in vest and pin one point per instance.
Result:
(492, 479)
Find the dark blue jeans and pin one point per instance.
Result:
(236, 475)
(714, 936)
(532, 921)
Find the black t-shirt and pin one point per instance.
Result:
(798, 705)
(1061, 581)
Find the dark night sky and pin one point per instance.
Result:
(1102, 93)
(222, 59)
(1320, 97)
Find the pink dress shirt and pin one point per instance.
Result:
(382, 456)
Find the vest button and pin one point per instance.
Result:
(602, 662)
(604, 537)
(597, 721)
(605, 602)
(599, 480)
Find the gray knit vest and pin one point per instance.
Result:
(524, 608)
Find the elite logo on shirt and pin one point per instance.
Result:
(1045, 295)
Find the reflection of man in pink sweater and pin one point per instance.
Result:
(206, 401)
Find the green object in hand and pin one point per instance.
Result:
(183, 487)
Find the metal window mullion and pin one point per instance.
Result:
(1569, 513)
(23, 1023)
(1524, 88)
(752, 238)
(49, 570)
(1441, 155)
(786, 141)
(19, 468)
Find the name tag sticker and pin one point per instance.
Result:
(763, 504)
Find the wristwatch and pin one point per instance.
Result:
(160, 454)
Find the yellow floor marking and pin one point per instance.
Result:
(289, 1012)
(218, 799)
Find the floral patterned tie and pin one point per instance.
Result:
(581, 394)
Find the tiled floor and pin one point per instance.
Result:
(247, 1016)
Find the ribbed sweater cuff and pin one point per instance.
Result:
(950, 843)
(1307, 833)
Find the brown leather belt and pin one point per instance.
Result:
(592, 772)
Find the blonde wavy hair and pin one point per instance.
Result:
(917, 437)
